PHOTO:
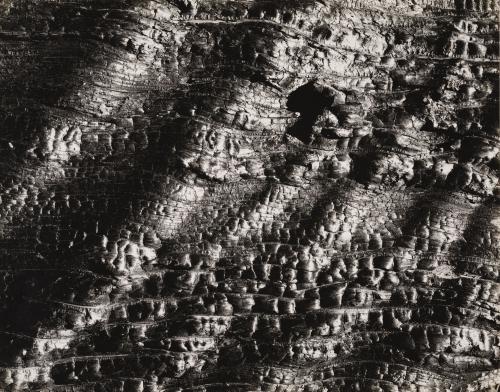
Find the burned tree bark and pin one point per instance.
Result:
(249, 195)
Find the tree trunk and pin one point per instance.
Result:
(249, 195)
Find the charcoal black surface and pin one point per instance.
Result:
(249, 195)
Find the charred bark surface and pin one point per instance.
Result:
(249, 195)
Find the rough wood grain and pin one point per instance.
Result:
(249, 195)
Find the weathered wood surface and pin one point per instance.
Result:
(249, 195)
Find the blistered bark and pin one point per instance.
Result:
(249, 195)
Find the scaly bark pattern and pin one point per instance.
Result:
(249, 195)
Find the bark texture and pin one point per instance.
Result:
(249, 195)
